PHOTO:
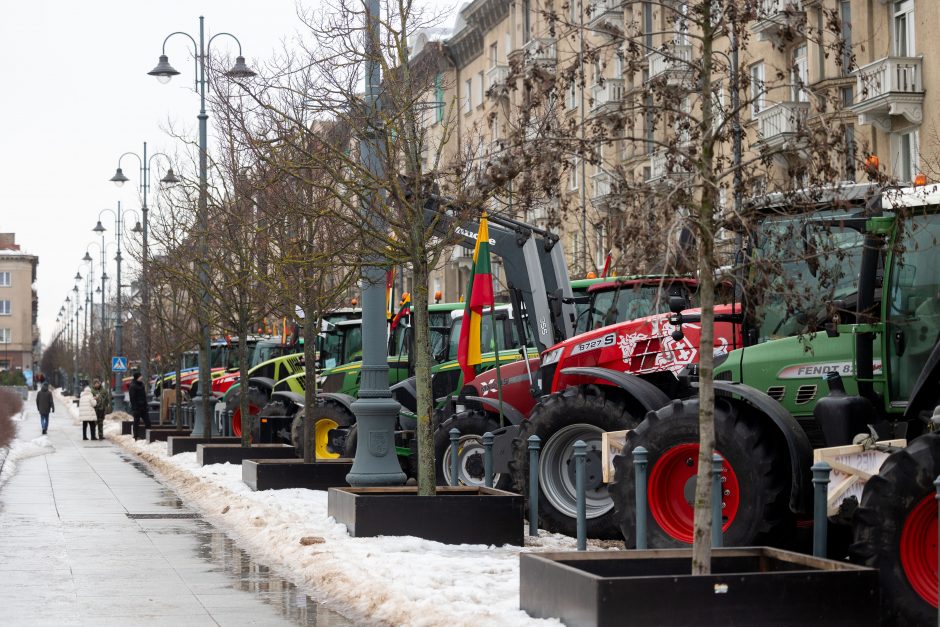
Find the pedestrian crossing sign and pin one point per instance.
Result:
(119, 364)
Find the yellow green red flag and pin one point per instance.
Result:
(479, 296)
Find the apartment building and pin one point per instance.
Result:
(19, 332)
(860, 68)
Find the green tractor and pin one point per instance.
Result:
(875, 343)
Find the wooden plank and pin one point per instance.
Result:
(852, 466)
(612, 443)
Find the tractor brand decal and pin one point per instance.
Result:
(543, 327)
(667, 352)
(628, 344)
(599, 342)
(462, 231)
(378, 443)
(817, 370)
(490, 387)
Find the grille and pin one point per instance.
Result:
(177, 515)
(805, 394)
(776, 392)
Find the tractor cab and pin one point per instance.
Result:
(629, 298)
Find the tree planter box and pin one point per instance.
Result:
(216, 453)
(160, 435)
(176, 444)
(280, 474)
(457, 515)
(748, 586)
(140, 433)
(127, 427)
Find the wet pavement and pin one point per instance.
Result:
(89, 537)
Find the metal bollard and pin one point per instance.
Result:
(454, 462)
(580, 457)
(936, 485)
(821, 472)
(534, 443)
(639, 468)
(488, 459)
(717, 526)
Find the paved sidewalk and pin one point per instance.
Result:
(73, 552)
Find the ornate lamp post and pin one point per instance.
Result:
(164, 72)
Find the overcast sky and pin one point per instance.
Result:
(76, 96)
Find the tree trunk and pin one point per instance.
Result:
(311, 333)
(422, 360)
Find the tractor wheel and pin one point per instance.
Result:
(560, 420)
(275, 410)
(755, 476)
(329, 415)
(896, 532)
(472, 424)
(256, 400)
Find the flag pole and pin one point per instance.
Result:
(499, 376)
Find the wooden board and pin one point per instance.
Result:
(611, 446)
(167, 399)
(852, 467)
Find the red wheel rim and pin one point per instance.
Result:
(919, 549)
(667, 486)
(237, 418)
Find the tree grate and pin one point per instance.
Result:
(181, 515)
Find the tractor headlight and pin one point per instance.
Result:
(552, 356)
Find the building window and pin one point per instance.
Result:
(600, 244)
(494, 129)
(481, 89)
(648, 25)
(681, 36)
(906, 147)
(494, 50)
(439, 97)
(5, 279)
(903, 28)
(849, 153)
(845, 15)
(5, 308)
(756, 73)
(573, 173)
(5, 336)
(571, 97)
(799, 74)
(468, 89)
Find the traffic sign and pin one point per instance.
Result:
(119, 364)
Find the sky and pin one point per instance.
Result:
(77, 96)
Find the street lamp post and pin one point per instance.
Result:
(164, 72)
(67, 311)
(78, 309)
(118, 318)
(119, 179)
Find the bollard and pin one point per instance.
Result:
(534, 443)
(821, 472)
(580, 457)
(639, 465)
(488, 459)
(454, 462)
(717, 526)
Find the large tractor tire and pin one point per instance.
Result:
(755, 476)
(274, 411)
(896, 532)
(560, 420)
(256, 401)
(329, 415)
(472, 424)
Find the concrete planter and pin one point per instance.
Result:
(160, 435)
(280, 474)
(235, 453)
(176, 444)
(748, 586)
(457, 515)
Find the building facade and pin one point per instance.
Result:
(19, 331)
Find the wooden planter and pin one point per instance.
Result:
(457, 515)
(215, 453)
(176, 444)
(281, 474)
(757, 586)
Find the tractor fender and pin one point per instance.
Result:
(343, 399)
(511, 413)
(924, 393)
(798, 445)
(288, 398)
(645, 393)
(262, 383)
(406, 393)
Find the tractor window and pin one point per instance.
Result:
(913, 303)
(798, 269)
(487, 343)
(628, 303)
(352, 344)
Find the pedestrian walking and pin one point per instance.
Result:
(86, 412)
(137, 394)
(45, 405)
(102, 405)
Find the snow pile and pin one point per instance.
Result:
(23, 449)
(386, 580)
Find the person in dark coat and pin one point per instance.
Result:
(45, 405)
(138, 397)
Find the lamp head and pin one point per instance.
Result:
(99, 228)
(164, 71)
(98, 290)
(78, 276)
(170, 178)
(119, 179)
(240, 69)
(87, 257)
(75, 289)
(137, 228)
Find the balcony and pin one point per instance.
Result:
(890, 93)
(497, 80)
(604, 197)
(777, 17)
(666, 167)
(779, 124)
(607, 97)
(606, 16)
(540, 51)
(674, 65)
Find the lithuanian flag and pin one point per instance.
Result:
(404, 311)
(479, 295)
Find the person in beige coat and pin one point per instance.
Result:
(86, 412)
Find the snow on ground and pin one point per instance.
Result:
(22, 449)
(385, 580)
